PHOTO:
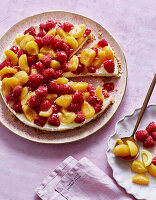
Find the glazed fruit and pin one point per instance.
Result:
(29, 113)
(32, 48)
(23, 63)
(46, 113)
(152, 170)
(122, 150)
(87, 110)
(119, 141)
(22, 76)
(73, 63)
(72, 42)
(140, 179)
(132, 147)
(11, 56)
(7, 70)
(109, 55)
(87, 57)
(67, 117)
(99, 93)
(138, 167)
(81, 86)
(146, 157)
(64, 100)
(78, 31)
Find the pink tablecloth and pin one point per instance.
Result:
(23, 164)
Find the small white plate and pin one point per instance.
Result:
(121, 169)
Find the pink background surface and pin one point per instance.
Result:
(24, 164)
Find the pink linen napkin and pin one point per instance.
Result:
(79, 180)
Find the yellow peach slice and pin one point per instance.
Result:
(87, 56)
(87, 110)
(32, 48)
(46, 113)
(138, 167)
(73, 63)
(99, 93)
(122, 150)
(62, 80)
(64, 100)
(55, 64)
(140, 179)
(11, 56)
(152, 170)
(22, 76)
(23, 63)
(146, 157)
(29, 113)
(81, 86)
(7, 70)
(132, 147)
(78, 31)
(72, 42)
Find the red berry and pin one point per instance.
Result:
(102, 43)
(17, 68)
(153, 134)
(80, 117)
(31, 60)
(154, 161)
(42, 27)
(67, 26)
(5, 63)
(17, 91)
(91, 89)
(48, 73)
(95, 49)
(20, 52)
(31, 31)
(14, 49)
(65, 47)
(54, 120)
(91, 69)
(45, 105)
(42, 91)
(151, 127)
(48, 40)
(79, 69)
(105, 94)
(109, 66)
(74, 107)
(56, 108)
(149, 142)
(8, 75)
(10, 97)
(87, 32)
(40, 66)
(49, 25)
(17, 107)
(53, 87)
(38, 40)
(78, 97)
(35, 80)
(64, 67)
(47, 59)
(141, 135)
(33, 101)
(41, 34)
(92, 100)
(58, 74)
(40, 121)
(69, 52)
(61, 56)
(65, 89)
(108, 86)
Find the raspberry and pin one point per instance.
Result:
(38, 40)
(151, 127)
(40, 121)
(10, 97)
(58, 74)
(31, 60)
(109, 66)
(154, 161)
(153, 134)
(61, 56)
(47, 59)
(49, 25)
(17, 91)
(105, 94)
(65, 47)
(14, 49)
(33, 101)
(69, 52)
(78, 97)
(53, 87)
(31, 31)
(54, 120)
(87, 32)
(17, 107)
(42, 91)
(65, 89)
(59, 25)
(108, 86)
(45, 105)
(56, 108)
(95, 49)
(41, 34)
(98, 106)
(80, 117)
(91, 89)
(40, 66)
(64, 67)
(48, 40)
(8, 75)
(92, 100)
(5, 63)
(67, 26)
(35, 80)
(102, 43)
(42, 27)
(149, 142)
(17, 68)
(48, 73)
(79, 69)
(141, 135)
(91, 69)
(20, 52)
(74, 107)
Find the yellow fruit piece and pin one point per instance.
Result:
(58, 36)
(27, 97)
(19, 38)
(33, 71)
(62, 80)
(64, 111)
(61, 33)
(68, 118)
(146, 157)
(78, 31)
(22, 76)
(40, 56)
(48, 50)
(9, 84)
(25, 40)
(24, 94)
(46, 113)
(55, 64)
(7, 70)
(99, 59)
(86, 95)
(138, 167)
(23, 63)
(73, 63)
(72, 42)
(132, 147)
(140, 179)
(81, 86)
(81, 40)
(64, 100)
(51, 97)
(11, 56)
(87, 56)
(87, 110)
(52, 32)
(29, 113)
(119, 141)
(152, 170)
(99, 93)
(32, 48)
(108, 53)
(122, 150)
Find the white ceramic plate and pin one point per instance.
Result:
(121, 169)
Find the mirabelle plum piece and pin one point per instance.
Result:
(87, 110)
(40, 56)
(78, 31)
(55, 64)
(48, 50)
(22, 76)
(62, 80)
(52, 32)
(152, 170)
(138, 167)
(29, 113)
(81, 86)
(72, 42)
(19, 38)
(81, 40)
(68, 118)
(23, 95)
(25, 40)
(32, 48)
(51, 97)
(87, 56)
(9, 84)
(27, 97)
(73, 63)
(64, 100)
(109, 55)
(33, 71)
(11, 56)
(7, 70)
(132, 147)
(121, 150)
(58, 36)
(146, 157)
(46, 113)
(23, 63)
(99, 93)
(140, 179)
(99, 59)
(61, 33)
(119, 141)
(86, 95)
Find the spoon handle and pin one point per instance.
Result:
(150, 90)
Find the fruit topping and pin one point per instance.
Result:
(42, 91)
(11, 56)
(67, 117)
(154, 161)
(7, 70)
(14, 49)
(46, 113)
(29, 113)
(81, 86)
(48, 40)
(79, 117)
(73, 63)
(109, 55)
(31, 31)
(102, 43)
(67, 26)
(54, 120)
(153, 134)
(152, 170)
(138, 167)
(45, 105)
(87, 110)
(62, 80)
(108, 86)
(87, 32)
(109, 66)
(32, 48)
(22, 76)
(35, 80)
(33, 102)
(64, 100)
(132, 147)
(99, 93)
(61, 56)
(17, 107)
(48, 73)
(55, 64)
(87, 57)
(140, 179)
(72, 42)
(146, 157)
(23, 63)
(17, 91)
(40, 121)
(78, 97)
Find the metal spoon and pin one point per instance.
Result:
(131, 138)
